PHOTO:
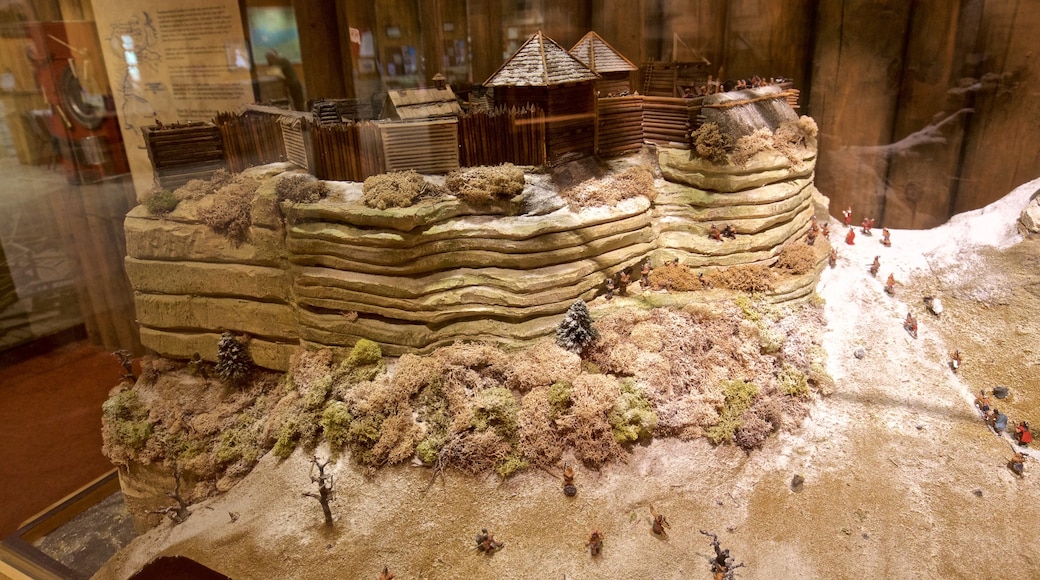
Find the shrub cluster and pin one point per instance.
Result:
(230, 214)
(482, 185)
(301, 189)
(709, 142)
(397, 189)
(160, 201)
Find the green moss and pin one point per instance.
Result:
(770, 339)
(792, 381)
(747, 307)
(335, 421)
(240, 443)
(496, 408)
(316, 392)
(818, 374)
(511, 465)
(429, 448)
(123, 405)
(632, 418)
(161, 201)
(362, 435)
(590, 368)
(432, 407)
(182, 448)
(288, 437)
(739, 396)
(559, 396)
(134, 434)
(364, 363)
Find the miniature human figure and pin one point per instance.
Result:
(595, 543)
(885, 238)
(644, 279)
(847, 215)
(833, 258)
(826, 231)
(1000, 422)
(386, 574)
(875, 266)
(1018, 464)
(890, 285)
(569, 489)
(1022, 434)
(714, 233)
(729, 232)
(934, 304)
(660, 523)
(486, 542)
(814, 225)
(910, 324)
(610, 290)
(955, 359)
(623, 280)
(850, 238)
(982, 402)
(810, 238)
(866, 224)
(292, 81)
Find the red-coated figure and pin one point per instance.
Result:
(826, 231)
(847, 214)
(850, 238)
(715, 233)
(890, 284)
(866, 224)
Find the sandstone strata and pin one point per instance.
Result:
(413, 279)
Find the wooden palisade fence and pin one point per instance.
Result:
(620, 125)
(250, 139)
(493, 137)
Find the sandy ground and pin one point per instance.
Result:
(902, 478)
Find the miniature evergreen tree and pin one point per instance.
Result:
(575, 331)
(233, 360)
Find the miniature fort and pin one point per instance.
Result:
(411, 279)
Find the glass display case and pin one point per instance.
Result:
(643, 251)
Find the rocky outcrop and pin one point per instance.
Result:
(417, 278)
(768, 203)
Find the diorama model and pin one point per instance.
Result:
(509, 321)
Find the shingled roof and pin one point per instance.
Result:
(540, 62)
(598, 55)
(410, 104)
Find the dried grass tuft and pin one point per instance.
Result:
(710, 143)
(483, 185)
(675, 277)
(750, 145)
(230, 214)
(749, 278)
(797, 258)
(630, 182)
(397, 189)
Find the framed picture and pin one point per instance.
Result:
(393, 32)
(274, 28)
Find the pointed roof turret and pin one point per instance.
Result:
(599, 56)
(540, 62)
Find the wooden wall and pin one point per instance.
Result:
(926, 109)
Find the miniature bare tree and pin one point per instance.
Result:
(179, 512)
(325, 487)
(127, 361)
(722, 565)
